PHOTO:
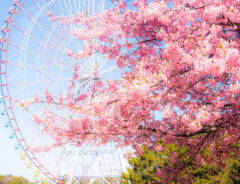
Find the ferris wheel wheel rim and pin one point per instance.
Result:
(9, 109)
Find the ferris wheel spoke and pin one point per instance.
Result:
(39, 82)
(40, 27)
(61, 9)
(41, 70)
(39, 55)
(20, 28)
(71, 8)
(78, 8)
(20, 65)
(35, 4)
(29, 50)
(25, 13)
(67, 7)
(102, 64)
(108, 70)
(34, 37)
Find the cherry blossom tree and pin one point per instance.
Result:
(180, 81)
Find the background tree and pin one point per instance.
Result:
(144, 167)
(9, 179)
(182, 61)
(153, 166)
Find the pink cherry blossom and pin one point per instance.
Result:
(179, 83)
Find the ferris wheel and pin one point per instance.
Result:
(33, 58)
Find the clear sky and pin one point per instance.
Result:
(10, 162)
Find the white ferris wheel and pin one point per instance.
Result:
(33, 59)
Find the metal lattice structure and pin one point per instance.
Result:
(33, 58)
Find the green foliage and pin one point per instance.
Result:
(144, 169)
(212, 174)
(229, 173)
